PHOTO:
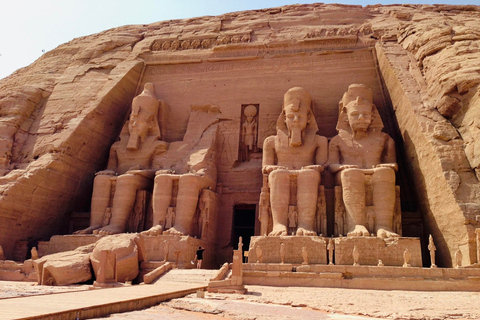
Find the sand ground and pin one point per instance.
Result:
(267, 303)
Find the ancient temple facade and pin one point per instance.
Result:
(218, 84)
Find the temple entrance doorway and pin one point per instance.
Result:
(243, 224)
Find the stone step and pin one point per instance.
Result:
(198, 276)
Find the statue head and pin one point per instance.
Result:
(143, 118)
(359, 114)
(250, 112)
(357, 111)
(297, 115)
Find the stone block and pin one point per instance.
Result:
(66, 243)
(270, 247)
(122, 249)
(372, 249)
(63, 268)
(154, 250)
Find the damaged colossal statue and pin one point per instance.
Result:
(362, 154)
(189, 173)
(131, 167)
(296, 152)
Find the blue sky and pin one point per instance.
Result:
(27, 27)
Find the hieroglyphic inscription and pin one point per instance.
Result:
(351, 58)
(364, 29)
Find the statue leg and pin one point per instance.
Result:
(279, 182)
(124, 200)
(102, 185)
(189, 187)
(383, 184)
(353, 189)
(161, 199)
(307, 193)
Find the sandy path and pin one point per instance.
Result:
(267, 303)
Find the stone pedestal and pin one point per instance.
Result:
(64, 243)
(316, 248)
(154, 250)
(372, 249)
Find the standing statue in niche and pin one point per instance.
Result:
(298, 151)
(131, 167)
(361, 151)
(249, 131)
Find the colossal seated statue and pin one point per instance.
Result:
(361, 153)
(131, 167)
(189, 171)
(296, 152)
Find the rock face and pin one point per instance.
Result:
(61, 114)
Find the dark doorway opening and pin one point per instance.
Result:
(243, 224)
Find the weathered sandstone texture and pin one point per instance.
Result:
(60, 115)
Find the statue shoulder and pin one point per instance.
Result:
(321, 140)
(384, 137)
(269, 142)
(336, 140)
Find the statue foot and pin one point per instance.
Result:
(153, 231)
(305, 232)
(278, 231)
(385, 233)
(174, 232)
(110, 229)
(88, 230)
(359, 231)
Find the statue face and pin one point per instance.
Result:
(138, 127)
(359, 115)
(297, 114)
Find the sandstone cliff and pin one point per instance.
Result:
(60, 115)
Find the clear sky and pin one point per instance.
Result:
(30, 27)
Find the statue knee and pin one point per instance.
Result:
(351, 175)
(383, 175)
(309, 175)
(163, 179)
(133, 181)
(279, 175)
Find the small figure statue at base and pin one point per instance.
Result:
(356, 256)
(305, 256)
(432, 248)
(259, 252)
(330, 248)
(458, 258)
(282, 253)
(406, 258)
(165, 250)
(34, 253)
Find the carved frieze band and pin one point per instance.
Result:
(200, 43)
(340, 31)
